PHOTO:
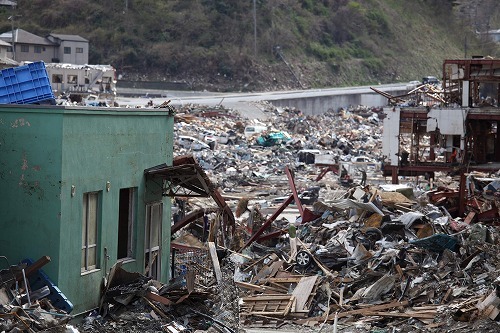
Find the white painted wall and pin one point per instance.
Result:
(449, 121)
(390, 135)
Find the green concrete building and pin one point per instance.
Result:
(73, 188)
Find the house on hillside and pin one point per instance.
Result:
(5, 60)
(74, 188)
(493, 35)
(26, 46)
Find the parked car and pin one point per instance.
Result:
(307, 197)
(204, 133)
(251, 130)
(189, 142)
(224, 138)
(273, 139)
(365, 162)
(431, 80)
(362, 159)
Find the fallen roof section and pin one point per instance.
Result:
(186, 178)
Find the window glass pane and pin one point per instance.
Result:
(92, 219)
(156, 226)
(92, 258)
(84, 220)
(89, 230)
(131, 222)
(148, 219)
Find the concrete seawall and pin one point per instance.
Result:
(314, 105)
(310, 102)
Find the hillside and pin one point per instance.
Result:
(278, 44)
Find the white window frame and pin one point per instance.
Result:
(86, 221)
(153, 253)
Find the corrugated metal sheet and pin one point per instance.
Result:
(349, 203)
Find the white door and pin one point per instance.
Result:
(152, 246)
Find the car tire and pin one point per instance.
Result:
(303, 259)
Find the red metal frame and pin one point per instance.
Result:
(306, 214)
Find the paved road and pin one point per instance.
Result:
(246, 103)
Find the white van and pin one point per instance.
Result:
(189, 142)
(251, 130)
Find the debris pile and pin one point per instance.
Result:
(373, 256)
(280, 241)
(356, 267)
(29, 301)
(132, 301)
(347, 135)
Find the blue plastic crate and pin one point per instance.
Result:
(25, 84)
(40, 279)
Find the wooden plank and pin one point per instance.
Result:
(470, 217)
(249, 286)
(494, 313)
(303, 290)
(247, 268)
(156, 309)
(33, 267)
(290, 305)
(445, 297)
(275, 267)
(158, 298)
(215, 262)
(285, 280)
(266, 298)
(369, 309)
(415, 315)
(269, 306)
(258, 288)
(278, 287)
(267, 271)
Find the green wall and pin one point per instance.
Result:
(30, 168)
(84, 148)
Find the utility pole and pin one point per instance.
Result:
(465, 47)
(13, 37)
(254, 28)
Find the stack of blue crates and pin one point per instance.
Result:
(25, 85)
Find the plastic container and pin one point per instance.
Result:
(26, 84)
(39, 279)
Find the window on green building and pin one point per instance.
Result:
(152, 246)
(126, 222)
(90, 222)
